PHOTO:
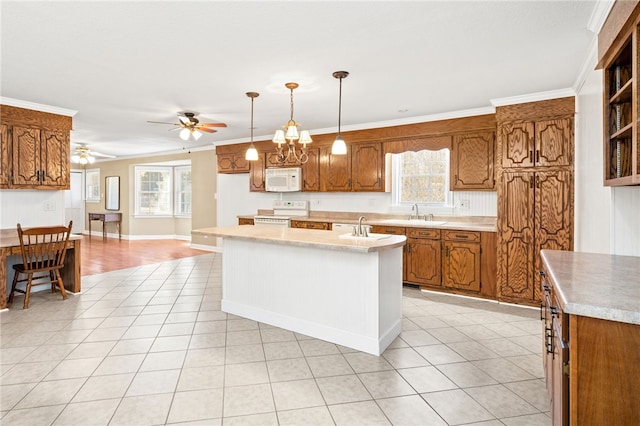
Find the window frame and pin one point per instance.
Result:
(177, 191)
(396, 189)
(88, 198)
(137, 170)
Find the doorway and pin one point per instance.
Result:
(74, 202)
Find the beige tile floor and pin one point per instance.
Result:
(150, 346)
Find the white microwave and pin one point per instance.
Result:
(283, 180)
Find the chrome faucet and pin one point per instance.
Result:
(361, 232)
(417, 215)
(430, 217)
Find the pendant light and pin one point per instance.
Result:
(339, 147)
(252, 152)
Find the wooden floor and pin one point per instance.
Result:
(111, 254)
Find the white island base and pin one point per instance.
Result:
(349, 297)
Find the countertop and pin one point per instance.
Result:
(304, 238)
(596, 285)
(9, 237)
(463, 223)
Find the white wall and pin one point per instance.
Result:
(607, 220)
(31, 208)
(235, 199)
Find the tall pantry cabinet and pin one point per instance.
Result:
(535, 192)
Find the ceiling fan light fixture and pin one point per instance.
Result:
(339, 147)
(252, 152)
(184, 134)
(196, 134)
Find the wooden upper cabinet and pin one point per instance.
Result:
(5, 156)
(311, 171)
(335, 171)
(272, 159)
(26, 156)
(256, 174)
(554, 142)
(472, 161)
(541, 143)
(233, 163)
(54, 155)
(35, 149)
(516, 144)
(367, 164)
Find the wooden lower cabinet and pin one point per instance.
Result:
(423, 257)
(461, 261)
(592, 365)
(457, 261)
(306, 224)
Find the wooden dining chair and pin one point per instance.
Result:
(43, 252)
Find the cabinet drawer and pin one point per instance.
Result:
(461, 236)
(431, 234)
(310, 225)
(245, 221)
(392, 230)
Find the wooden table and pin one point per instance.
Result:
(106, 218)
(10, 245)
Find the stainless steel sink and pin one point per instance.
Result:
(368, 237)
(419, 222)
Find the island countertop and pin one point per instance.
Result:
(596, 285)
(304, 238)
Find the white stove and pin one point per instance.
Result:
(283, 211)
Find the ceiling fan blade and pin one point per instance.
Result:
(99, 154)
(162, 122)
(204, 129)
(212, 125)
(178, 127)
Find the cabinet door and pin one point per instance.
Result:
(54, 153)
(256, 174)
(272, 159)
(26, 156)
(553, 215)
(304, 224)
(311, 171)
(367, 167)
(472, 161)
(335, 171)
(554, 142)
(516, 141)
(515, 236)
(232, 163)
(461, 265)
(5, 159)
(423, 261)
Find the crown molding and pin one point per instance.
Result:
(599, 15)
(37, 107)
(533, 97)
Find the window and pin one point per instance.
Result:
(421, 177)
(92, 185)
(183, 191)
(153, 191)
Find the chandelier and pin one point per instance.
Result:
(290, 135)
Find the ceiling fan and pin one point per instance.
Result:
(83, 155)
(189, 125)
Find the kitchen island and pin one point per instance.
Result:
(342, 289)
(591, 337)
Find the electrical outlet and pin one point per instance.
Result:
(464, 204)
(49, 206)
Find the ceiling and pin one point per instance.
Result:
(122, 63)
